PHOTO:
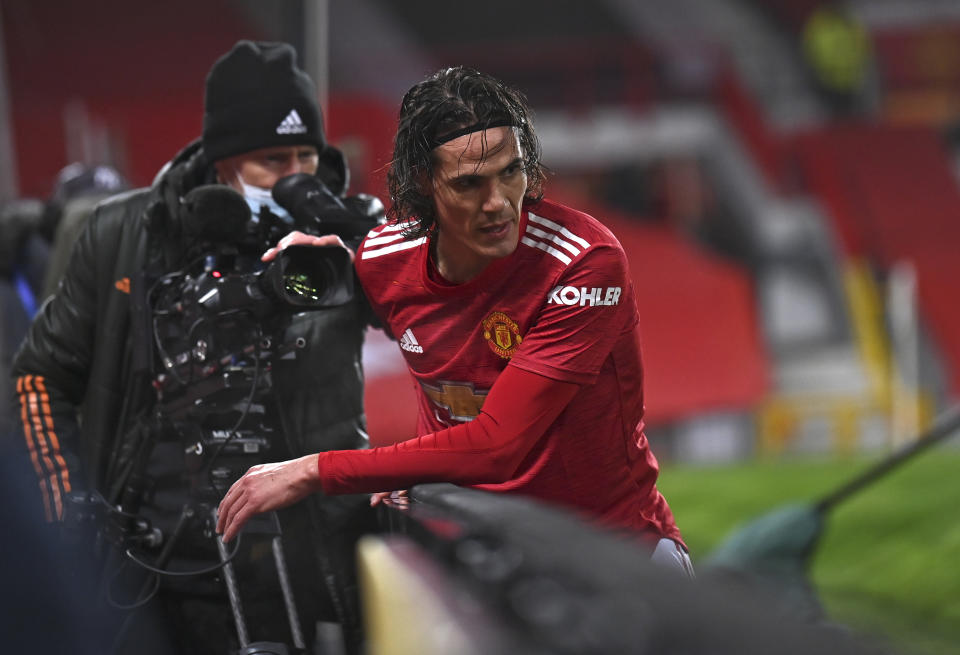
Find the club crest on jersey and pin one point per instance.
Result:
(502, 334)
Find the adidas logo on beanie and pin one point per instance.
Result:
(256, 97)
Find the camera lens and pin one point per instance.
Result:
(307, 276)
(302, 286)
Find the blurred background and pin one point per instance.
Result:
(783, 175)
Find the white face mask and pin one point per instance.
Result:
(257, 198)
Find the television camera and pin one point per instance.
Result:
(217, 328)
(217, 324)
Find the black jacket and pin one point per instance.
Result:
(83, 374)
(79, 353)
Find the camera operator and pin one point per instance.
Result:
(95, 353)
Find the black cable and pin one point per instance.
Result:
(97, 496)
(163, 279)
(246, 410)
(167, 312)
(136, 604)
(164, 357)
(164, 308)
(233, 432)
(185, 574)
(186, 514)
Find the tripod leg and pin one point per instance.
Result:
(233, 593)
(284, 578)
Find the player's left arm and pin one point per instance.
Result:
(564, 349)
(489, 449)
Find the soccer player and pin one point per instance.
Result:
(517, 318)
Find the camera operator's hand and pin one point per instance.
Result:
(266, 487)
(302, 239)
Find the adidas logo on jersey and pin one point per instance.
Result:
(409, 343)
(291, 124)
(583, 296)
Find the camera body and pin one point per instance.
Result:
(210, 337)
(218, 324)
(218, 332)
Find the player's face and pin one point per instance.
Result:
(262, 168)
(478, 187)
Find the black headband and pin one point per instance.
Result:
(475, 127)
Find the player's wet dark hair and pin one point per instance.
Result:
(435, 111)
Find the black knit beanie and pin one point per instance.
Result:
(256, 97)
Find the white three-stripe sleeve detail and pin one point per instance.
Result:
(386, 238)
(546, 248)
(573, 250)
(382, 230)
(394, 227)
(556, 227)
(386, 250)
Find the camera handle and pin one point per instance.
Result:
(233, 590)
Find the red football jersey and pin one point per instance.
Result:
(561, 306)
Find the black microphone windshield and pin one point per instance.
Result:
(215, 213)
